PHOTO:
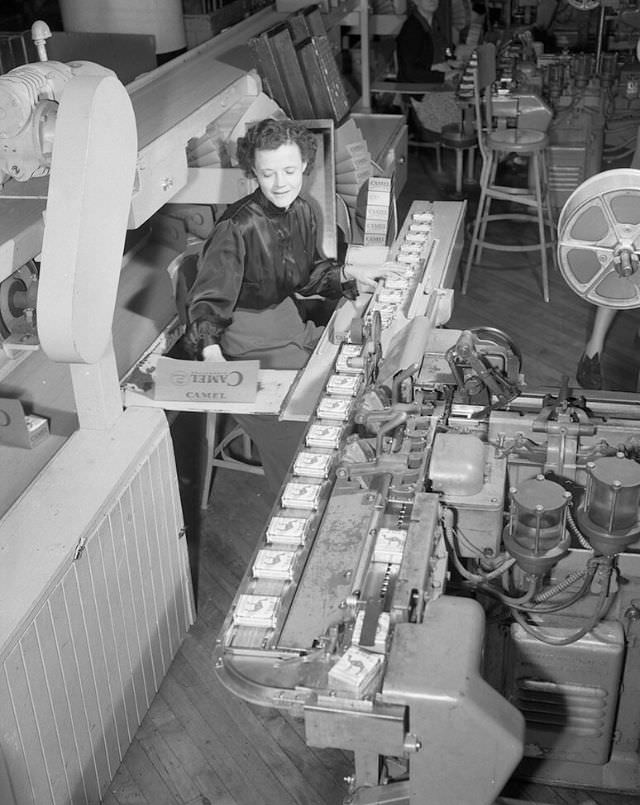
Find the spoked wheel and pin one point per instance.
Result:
(599, 239)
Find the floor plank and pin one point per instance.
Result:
(195, 764)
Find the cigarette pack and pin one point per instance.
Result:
(37, 429)
(355, 671)
(397, 283)
(334, 408)
(274, 564)
(387, 312)
(389, 545)
(389, 295)
(348, 358)
(410, 248)
(422, 217)
(410, 259)
(287, 530)
(256, 610)
(416, 237)
(321, 435)
(314, 465)
(343, 384)
(301, 496)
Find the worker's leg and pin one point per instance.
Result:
(589, 372)
(602, 322)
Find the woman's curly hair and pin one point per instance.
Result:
(269, 134)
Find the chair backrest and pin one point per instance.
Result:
(486, 64)
(484, 77)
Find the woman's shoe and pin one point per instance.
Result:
(589, 372)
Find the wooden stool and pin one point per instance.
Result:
(215, 454)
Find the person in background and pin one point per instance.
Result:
(421, 46)
(460, 20)
(260, 256)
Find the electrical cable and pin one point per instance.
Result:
(544, 610)
(447, 520)
(551, 640)
(576, 531)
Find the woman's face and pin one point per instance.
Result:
(279, 172)
(427, 6)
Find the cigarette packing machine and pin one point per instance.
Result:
(449, 583)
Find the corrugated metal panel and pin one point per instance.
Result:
(81, 676)
(567, 694)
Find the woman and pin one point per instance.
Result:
(261, 254)
(421, 46)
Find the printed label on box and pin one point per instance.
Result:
(206, 381)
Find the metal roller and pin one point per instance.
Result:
(599, 239)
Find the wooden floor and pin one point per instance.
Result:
(200, 746)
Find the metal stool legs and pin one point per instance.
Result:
(534, 198)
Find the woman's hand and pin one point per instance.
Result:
(450, 72)
(212, 353)
(366, 277)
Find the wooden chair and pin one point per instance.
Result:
(216, 453)
(495, 141)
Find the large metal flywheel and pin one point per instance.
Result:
(599, 239)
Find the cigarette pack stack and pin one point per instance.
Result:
(392, 293)
(356, 672)
(387, 300)
(466, 86)
(409, 254)
(378, 211)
